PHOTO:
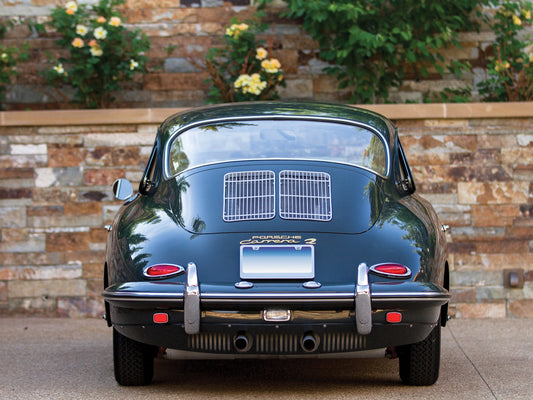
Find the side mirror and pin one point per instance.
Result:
(122, 189)
(405, 179)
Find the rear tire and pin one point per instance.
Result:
(420, 362)
(133, 361)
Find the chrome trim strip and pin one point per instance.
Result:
(140, 297)
(363, 302)
(282, 296)
(423, 300)
(414, 296)
(178, 297)
(191, 306)
(248, 296)
(277, 117)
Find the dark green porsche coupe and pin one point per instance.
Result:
(276, 229)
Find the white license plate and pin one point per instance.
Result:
(278, 262)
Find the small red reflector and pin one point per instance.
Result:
(162, 270)
(160, 318)
(394, 317)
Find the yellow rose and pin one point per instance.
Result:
(261, 53)
(271, 66)
(235, 30)
(96, 51)
(516, 20)
(242, 80)
(250, 84)
(100, 33)
(78, 42)
(71, 7)
(81, 30)
(115, 21)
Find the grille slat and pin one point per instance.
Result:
(218, 342)
(249, 196)
(305, 195)
(331, 342)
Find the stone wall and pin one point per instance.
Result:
(194, 26)
(473, 162)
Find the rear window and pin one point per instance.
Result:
(277, 139)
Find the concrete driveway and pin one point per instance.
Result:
(43, 358)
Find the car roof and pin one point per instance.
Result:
(200, 115)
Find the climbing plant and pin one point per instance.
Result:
(372, 44)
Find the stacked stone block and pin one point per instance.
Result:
(478, 173)
(55, 198)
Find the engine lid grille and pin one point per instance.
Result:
(249, 196)
(277, 343)
(305, 195)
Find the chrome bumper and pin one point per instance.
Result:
(192, 298)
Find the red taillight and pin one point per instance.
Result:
(394, 317)
(160, 318)
(391, 270)
(163, 270)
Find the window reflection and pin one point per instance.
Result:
(275, 139)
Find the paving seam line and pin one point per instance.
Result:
(471, 363)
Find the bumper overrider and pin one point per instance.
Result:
(268, 318)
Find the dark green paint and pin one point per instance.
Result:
(375, 220)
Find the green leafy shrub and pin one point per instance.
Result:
(9, 57)
(373, 44)
(103, 54)
(510, 70)
(241, 70)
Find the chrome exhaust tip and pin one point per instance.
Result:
(242, 342)
(310, 342)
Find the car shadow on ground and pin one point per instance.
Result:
(265, 374)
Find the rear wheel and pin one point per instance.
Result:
(419, 362)
(133, 361)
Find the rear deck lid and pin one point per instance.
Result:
(276, 197)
